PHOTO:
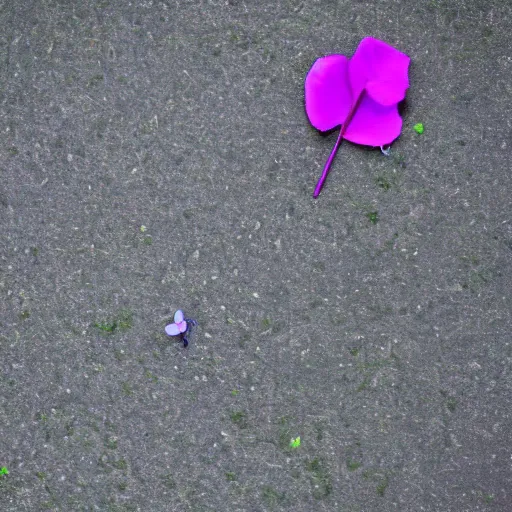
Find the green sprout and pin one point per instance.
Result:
(143, 229)
(295, 443)
(373, 217)
(4, 471)
(418, 128)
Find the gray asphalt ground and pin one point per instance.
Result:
(155, 155)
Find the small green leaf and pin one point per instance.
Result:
(4, 471)
(295, 443)
(230, 476)
(418, 128)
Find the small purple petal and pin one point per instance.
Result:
(179, 316)
(182, 326)
(172, 330)
(327, 92)
(374, 124)
(380, 69)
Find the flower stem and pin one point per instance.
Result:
(343, 129)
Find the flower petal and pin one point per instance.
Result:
(374, 124)
(179, 316)
(381, 70)
(182, 326)
(172, 330)
(327, 92)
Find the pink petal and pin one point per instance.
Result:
(172, 330)
(374, 124)
(182, 326)
(380, 69)
(327, 91)
(179, 316)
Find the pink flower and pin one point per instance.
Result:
(361, 94)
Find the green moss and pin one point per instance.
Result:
(479, 278)
(168, 481)
(378, 476)
(272, 497)
(472, 259)
(111, 443)
(121, 322)
(364, 385)
(109, 425)
(319, 429)
(41, 416)
(127, 388)
(41, 475)
(95, 80)
(399, 159)
(242, 342)
(319, 267)
(286, 432)
(373, 217)
(353, 465)
(69, 78)
(149, 375)
(374, 365)
(120, 464)
(313, 465)
(25, 314)
(239, 418)
(320, 478)
(284, 438)
(73, 501)
(451, 404)
(381, 488)
(70, 430)
(266, 323)
(125, 319)
(230, 476)
(106, 326)
(354, 352)
(383, 182)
